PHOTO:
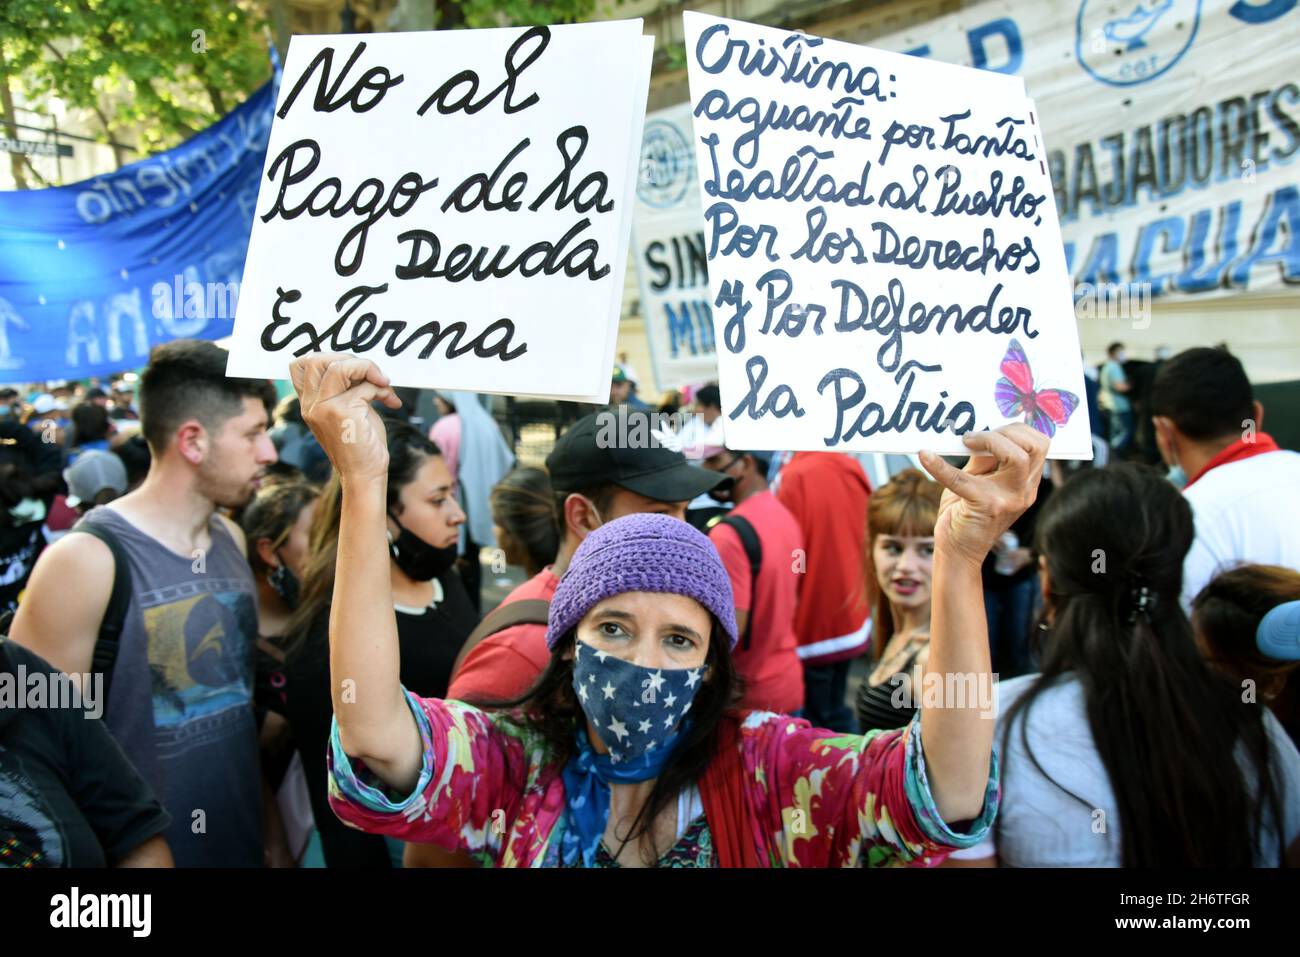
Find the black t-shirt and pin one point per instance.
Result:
(20, 546)
(428, 643)
(68, 795)
(431, 639)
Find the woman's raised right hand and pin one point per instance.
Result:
(336, 392)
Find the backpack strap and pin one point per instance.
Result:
(754, 552)
(526, 611)
(110, 629)
(722, 792)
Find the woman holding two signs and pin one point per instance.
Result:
(627, 751)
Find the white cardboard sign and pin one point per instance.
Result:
(454, 205)
(885, 260)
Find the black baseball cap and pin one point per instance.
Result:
(594, 451)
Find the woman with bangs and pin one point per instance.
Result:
(900, 560)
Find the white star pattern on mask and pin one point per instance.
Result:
(609, 690)
(692, 676)
(650, 746)
(670, 700)
(619, 729)
(656, 680)
(668, 721)
(643, 727)
(601, 656)
(582, 692)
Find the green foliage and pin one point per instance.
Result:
(523, 13)
(157, 71)
(153, 71)
(675, 56)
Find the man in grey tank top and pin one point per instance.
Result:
(181, 682)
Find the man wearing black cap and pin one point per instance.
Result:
(605, 466)
(760, 542)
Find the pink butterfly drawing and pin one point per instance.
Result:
(1044, 409)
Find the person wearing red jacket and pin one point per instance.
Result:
(827, 493)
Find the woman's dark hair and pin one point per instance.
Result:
(551, 710)
(272, 514)
(89, 422)
(522, 505)
(289, 410)
(281, 472)
(136, 458)
(408, 449)
(1226, 615)
(1110, 537)
(15, 486)
(709, 396)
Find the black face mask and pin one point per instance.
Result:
(417, 559)
(285, 583)
(723, 493)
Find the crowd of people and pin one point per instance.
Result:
(716, 657)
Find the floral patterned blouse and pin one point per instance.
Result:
(488, 787)
(693, 849)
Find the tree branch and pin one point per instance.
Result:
(218, 102)
(103, 119)
(36, 175)
(7, 104)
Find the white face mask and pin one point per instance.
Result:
(1176, 474)
(28, 510)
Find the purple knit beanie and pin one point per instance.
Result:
(642, 553)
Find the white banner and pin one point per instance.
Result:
(884, 255)
(668, 249)
(1172, 128)
(454, 205)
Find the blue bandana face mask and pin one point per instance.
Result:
(635, 710)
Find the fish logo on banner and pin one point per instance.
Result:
(1122, 45)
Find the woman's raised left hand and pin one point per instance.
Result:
(982, 500)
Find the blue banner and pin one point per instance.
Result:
(93, 275)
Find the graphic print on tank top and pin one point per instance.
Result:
(198, 654)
